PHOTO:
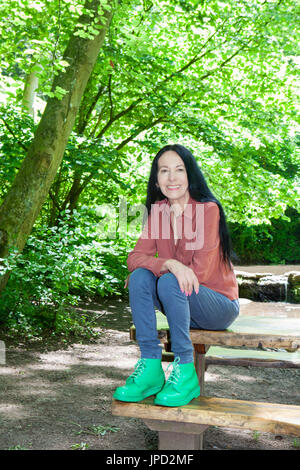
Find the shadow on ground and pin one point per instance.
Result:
(61, 398)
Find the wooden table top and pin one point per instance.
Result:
(246, 330)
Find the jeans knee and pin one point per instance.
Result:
(138, 277)
(231, 317)
(166, 283)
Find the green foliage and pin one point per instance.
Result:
(34, 34)
(219, 80)
(81, 446)
(16, 133)
(60, 266)
(296, 443)
(275, 243)
(102, 430)
(218, 77)
(17, 447)
(99, 430)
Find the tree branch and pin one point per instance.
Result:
(13, 134)
(223, 63)
(196, 58)
(166, 79)
(110, 98)
(131, 137)
(92, 133)
(73, 190)
(54, 201)
(192, 61)
(82, 126)
(118, 116)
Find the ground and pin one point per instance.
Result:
(60, 398)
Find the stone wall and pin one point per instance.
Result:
(267, 287)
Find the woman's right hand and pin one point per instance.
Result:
(126, 281)
(185, 276)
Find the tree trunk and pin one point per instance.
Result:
(37, 172)
(31, 84)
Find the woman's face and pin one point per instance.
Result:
(172, 177)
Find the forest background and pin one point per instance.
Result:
(219, 77)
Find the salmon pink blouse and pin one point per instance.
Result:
(197, 245)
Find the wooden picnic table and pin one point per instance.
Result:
(260, 336)
(253, 332)
(247, 330)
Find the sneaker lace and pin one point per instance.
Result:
(175, 374)
(139, 367)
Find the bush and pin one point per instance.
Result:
(277, 243)
(59, 267)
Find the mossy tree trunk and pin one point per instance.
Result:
(32, 183)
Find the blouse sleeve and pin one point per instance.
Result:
(143, 254)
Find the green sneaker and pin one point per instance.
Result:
(181, 387)
(147, 379)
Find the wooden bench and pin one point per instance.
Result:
(182, 428)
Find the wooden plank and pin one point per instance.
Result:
(176, 441)
(257, 416)
(249, 331)
(255, 340)
(251, 357)
(252, 324)
(244, 362)
(246, 358)
(217, 351)
(199, 361)
(177, 436)
(175, 427)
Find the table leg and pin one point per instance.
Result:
(199, 359)
(177, 436)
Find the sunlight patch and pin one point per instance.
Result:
(51, 366)
(12, 411)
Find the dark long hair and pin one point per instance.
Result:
(198, 190)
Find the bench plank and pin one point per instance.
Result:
(257, 416)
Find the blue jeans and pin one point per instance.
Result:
(207, 310)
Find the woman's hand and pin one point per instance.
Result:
(126, 281)
(185, 276)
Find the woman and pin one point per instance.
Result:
(191, 281)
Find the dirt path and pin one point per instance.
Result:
(61, 398)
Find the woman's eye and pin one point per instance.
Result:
(179, 169)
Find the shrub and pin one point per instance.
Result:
(60, 266)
